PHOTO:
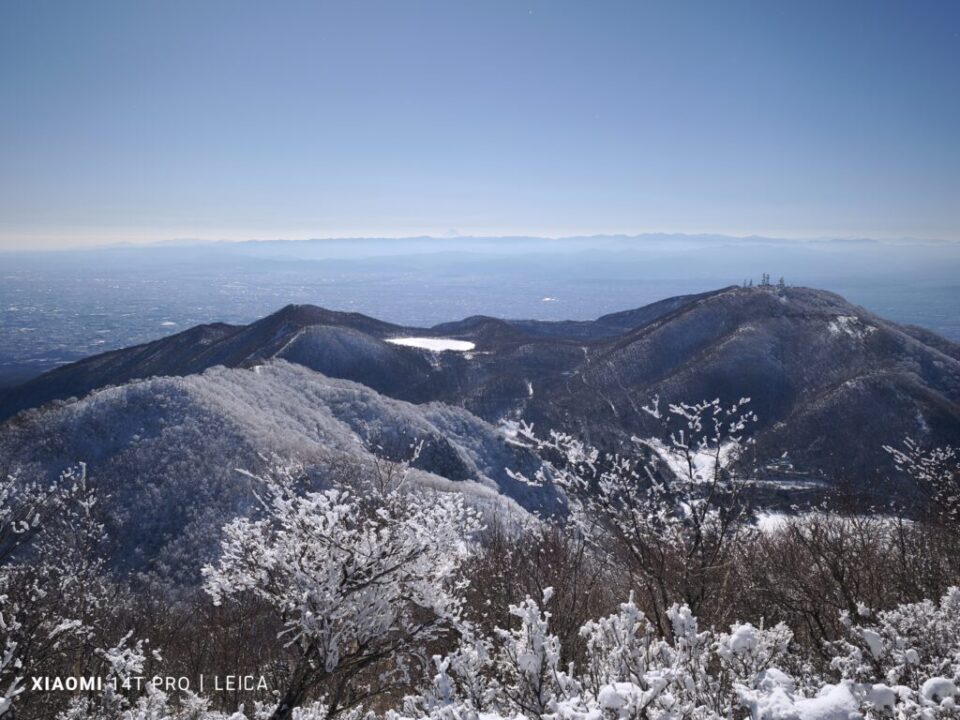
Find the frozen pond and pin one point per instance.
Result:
(433, 344)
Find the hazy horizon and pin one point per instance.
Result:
(59, 306)
(454, 238)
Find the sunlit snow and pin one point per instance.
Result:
(849, 325)
(702, 461)
(433, 344)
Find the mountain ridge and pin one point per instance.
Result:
(811, 362)
(224, 344)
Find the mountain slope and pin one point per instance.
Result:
(184, 353)
(164, 452)
(173, 355)
(830, 382)
(294, 332)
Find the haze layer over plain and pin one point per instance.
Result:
(59, 307)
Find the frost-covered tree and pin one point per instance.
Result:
(11, 667)
(672, 512)
(936, 475)
(118, 664)
(363, 583)
(53, 588)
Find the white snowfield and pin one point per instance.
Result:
(434, 344)
(851, 326)
(702, 461)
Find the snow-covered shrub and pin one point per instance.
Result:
(527, 661)
(516, 672)
(904, 661)
(362, 583)
(619, 648)
(903, 664)
(462, 686)
(629, 670)
(121, 663)
(547, 555)
(632, 672)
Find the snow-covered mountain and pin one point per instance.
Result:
(164, 452)
(830, 382)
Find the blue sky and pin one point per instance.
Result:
(143, 121)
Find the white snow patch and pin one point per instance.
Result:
(874, 641)
(65, 626)
(743, 639)
(883, 697)
(834, 702)
(771, 521)
(703, 461)
(616, 696)
(849, 325)
(937, 689)
(509, 428)
(433, 344)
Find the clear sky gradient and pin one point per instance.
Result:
(144, 121)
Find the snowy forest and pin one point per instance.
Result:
(655, 593)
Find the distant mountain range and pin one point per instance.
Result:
(830, 382)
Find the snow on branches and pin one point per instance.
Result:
(936, 475)
(364, 591)
(629, 671)
(51, 575)
(671, 503)
(362, 582)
